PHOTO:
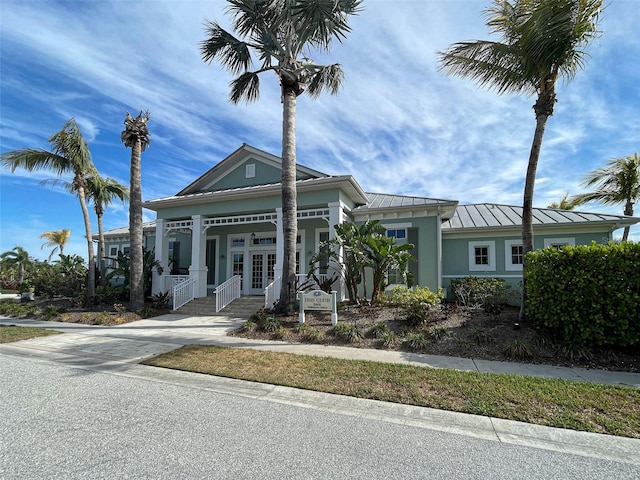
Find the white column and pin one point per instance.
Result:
(336, 217)
(277, 269)
(158, 282)
(198, 268)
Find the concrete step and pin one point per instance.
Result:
(240, 308)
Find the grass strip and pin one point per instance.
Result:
(584, 406)
(9, 333)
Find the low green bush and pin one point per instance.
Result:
(270, 324)
(402, 296)
(347, 333)
(490, 294)
(417, 341)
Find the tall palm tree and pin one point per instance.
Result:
(70, 154)
(618, 182)
(542, 40)
(56, 239)
(103, 191)
(281, 34)
(136, 136)
(17, 257)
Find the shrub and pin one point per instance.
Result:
(51, 312)
(270, 324)
(518, 350)
(347, 333)
(281, 333)
(437, 333)
(145, 312)
(402, 296)
(420, 313)
(388, 340)
(249, 326)
(490, 294)
(586, 295)
(160, 300)
(101, 318)
(417, 341)
(378, 330)
(481, 336)
(313, 335)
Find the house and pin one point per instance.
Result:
(228, 223)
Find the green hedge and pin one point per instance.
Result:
(586, 295)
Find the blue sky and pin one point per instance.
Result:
(398, 124)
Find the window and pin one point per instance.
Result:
(513, 255)
(113, 253)
(250, 170)
(482, 256)
(558, 243)
(397, 233)
(237, 242)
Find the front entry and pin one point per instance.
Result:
(262, 271)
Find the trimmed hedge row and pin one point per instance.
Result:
(586, 295)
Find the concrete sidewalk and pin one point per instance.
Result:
(136, 341)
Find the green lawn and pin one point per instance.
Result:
(582, 406)
(13, 334)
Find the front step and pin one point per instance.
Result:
(242, 307)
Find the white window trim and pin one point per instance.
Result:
(250, 170)
(491, 266)
(508, 265)
(559, 241)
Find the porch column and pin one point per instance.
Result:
(336, 217)
(158, 282)
(277, 269)
(198, 268)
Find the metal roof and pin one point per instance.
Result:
(489, 215)
(382, 200)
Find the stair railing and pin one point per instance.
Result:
(184, 292)
(270, 293)
(227, 292)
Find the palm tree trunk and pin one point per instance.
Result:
(628, 210)
(543, 109)
(287, 302)
(136, 281)
(91, 273)
(101, 245)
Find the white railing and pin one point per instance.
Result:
(173, 280)
(227, 292)
(272, 293)
(183, 293)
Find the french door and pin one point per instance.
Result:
(262, 271)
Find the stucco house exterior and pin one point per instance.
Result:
(228, 223)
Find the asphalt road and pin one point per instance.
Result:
(68, 422)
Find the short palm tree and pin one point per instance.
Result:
(136, 136)
(56, 239)
(281, 34)
(541, 41)
(70, 154)
(17, 257)
(566, 203)
(103, 191)
(618, 182)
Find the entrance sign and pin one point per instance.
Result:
(319, 300)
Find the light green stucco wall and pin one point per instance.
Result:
(455, 254)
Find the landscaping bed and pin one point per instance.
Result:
(455, 331)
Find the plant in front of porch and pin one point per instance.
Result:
(281, 35)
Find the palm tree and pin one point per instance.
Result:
(17, 257)
(566, 203)
(56, 239)
(70, 155)
(542, 40)
(136, 136)
(280, 34)
(618, 182)
(102, 191)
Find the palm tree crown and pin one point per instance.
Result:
(618, 182)
(56, 239)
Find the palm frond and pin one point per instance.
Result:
(232, 53)
(245, 88)
(325, 78)
(35, 159)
